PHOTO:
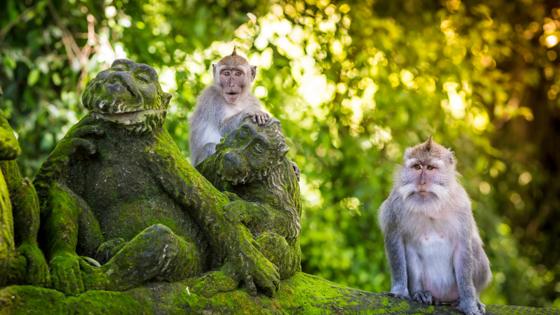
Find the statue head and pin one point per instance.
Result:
(251, 151)
(127, 94)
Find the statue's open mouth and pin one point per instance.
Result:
(130, 117)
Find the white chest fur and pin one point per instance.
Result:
(430, 257)
(230, 110)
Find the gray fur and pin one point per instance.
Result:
(433, 247)
(214, 117)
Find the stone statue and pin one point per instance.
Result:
(123, 207)
(21, 260)
(251, 163)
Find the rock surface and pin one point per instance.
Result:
(301, 294)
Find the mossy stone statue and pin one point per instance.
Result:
(21, 261)
(122, 206)
(251, 163)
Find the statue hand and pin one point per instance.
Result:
(253, 269)
(108, 249)
(66, 274)
(82, 143)
(237, 212)
(37, 271)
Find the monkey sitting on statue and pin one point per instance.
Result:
(431, 238)
(221, 106)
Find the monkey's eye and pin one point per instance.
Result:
(238, 73)
(430, 167)
(227, 73)
(416, 166)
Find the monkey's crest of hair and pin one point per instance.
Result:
(430, 150)
(233, 60)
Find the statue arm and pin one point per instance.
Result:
(61, 228)
(205, 204)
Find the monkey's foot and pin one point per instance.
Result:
(424, 297)
(481, 307)
(400, 294)
(470, 307)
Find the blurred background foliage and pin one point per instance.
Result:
(354, 83)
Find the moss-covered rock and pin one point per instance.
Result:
(301, 294)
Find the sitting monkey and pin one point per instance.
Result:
(431, 238)
(221, 106)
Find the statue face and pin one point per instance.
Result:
(128, 93)
(251, 151)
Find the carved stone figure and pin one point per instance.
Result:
(251, 163)
(117, 191)
(21, 260)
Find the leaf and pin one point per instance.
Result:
(33, 77)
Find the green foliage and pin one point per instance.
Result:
(354, 83)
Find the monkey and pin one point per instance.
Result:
(223, 105)
(431, 239)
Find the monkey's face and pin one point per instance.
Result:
(427, 174)
(234, 81)
(128, 93)
(251, 151)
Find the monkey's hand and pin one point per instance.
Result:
(251, 267)
(399, 292)
(471, 307)
(66, 273)
(260, 117)
(37, 271)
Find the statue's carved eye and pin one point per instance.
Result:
(258, 147)
(119, 67)
(143, 77)
(245, 131)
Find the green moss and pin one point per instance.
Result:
(301, 294)
(9, 147)
(21, 261)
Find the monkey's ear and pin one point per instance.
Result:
(253, 72)
(165, 98)
(450, 157)
(407, 153)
